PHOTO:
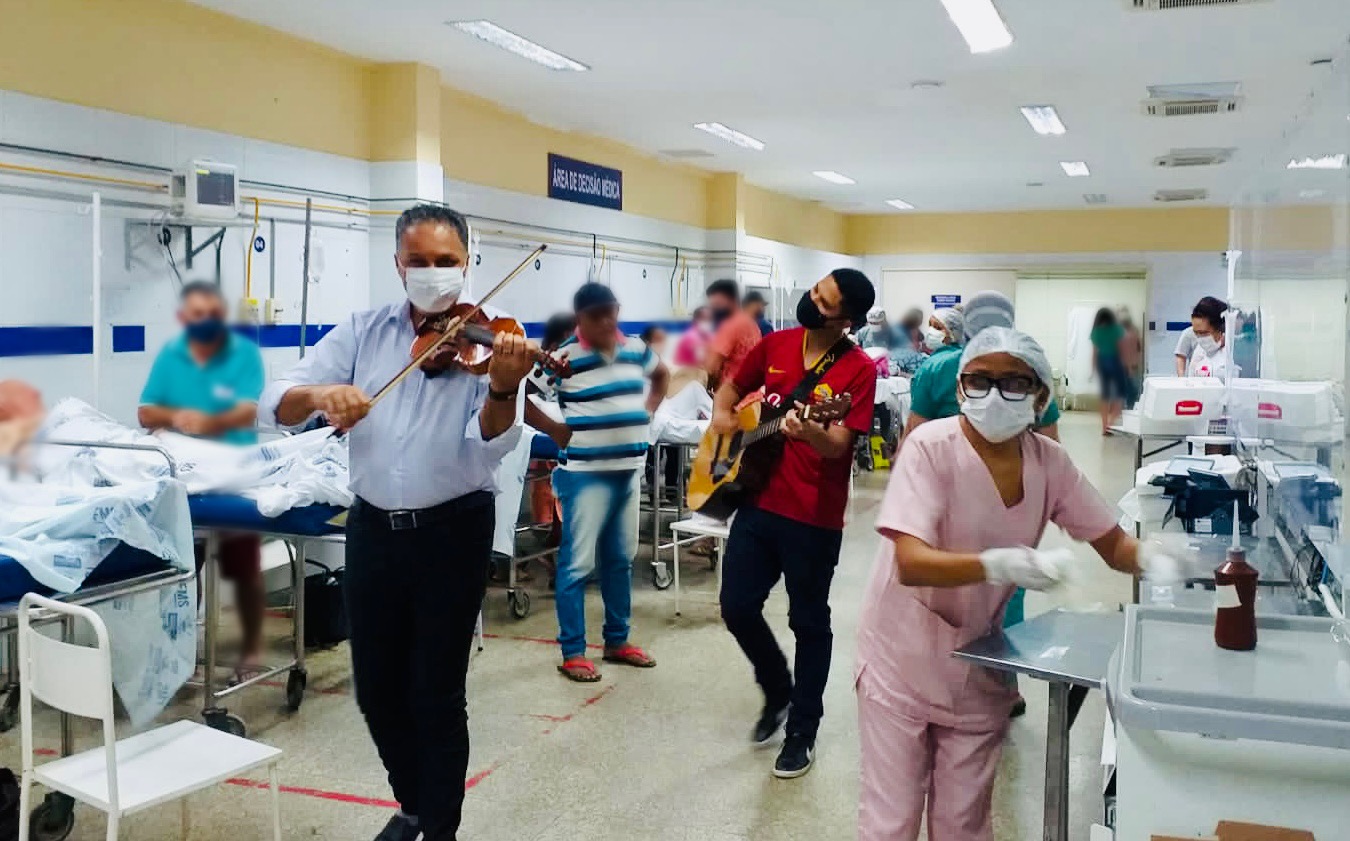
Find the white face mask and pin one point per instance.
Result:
(933, 338)
(433, 289)
(997, 418)
(1208, 344)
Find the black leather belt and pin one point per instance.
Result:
(416, 518)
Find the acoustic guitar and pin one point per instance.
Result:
(731, 469)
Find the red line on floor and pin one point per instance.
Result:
(480, 776)
(556, 719)
(596, 698)
(338, 796)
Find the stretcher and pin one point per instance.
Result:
(542, 448)
(217, 515)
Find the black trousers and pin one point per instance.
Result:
(762, 548)
(413, 598)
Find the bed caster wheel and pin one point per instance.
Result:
(226, 723)
(295, 689)
(53, 819)
(9, 712)
(519, 604)
(661, 577)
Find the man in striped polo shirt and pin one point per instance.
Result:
(606, 406)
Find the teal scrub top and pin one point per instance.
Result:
(1106, 339)
(233, 376)
(932, 391)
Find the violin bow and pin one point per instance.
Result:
(453, 329)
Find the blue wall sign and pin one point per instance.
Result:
(259, 244)
(584, 183)
(946, 300)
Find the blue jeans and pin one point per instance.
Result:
(599, 530)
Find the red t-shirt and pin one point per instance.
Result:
(805, 486)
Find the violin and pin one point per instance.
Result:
(451, 333)
(471, 348)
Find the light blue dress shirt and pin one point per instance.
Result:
(421, 445)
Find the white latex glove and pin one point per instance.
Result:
(1030, 568)
(1158, 566)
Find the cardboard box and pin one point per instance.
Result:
(1235, 831)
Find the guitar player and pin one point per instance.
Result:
(795, 526)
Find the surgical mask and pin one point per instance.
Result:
(997, 418)
(433, 289)
(206, 331)
(808, 314)
(1208, 344)
(933, 338)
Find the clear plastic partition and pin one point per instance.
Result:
(1284, 354)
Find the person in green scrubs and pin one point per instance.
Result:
(206, 383)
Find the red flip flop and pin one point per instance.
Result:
(579, 669)
(629, 655)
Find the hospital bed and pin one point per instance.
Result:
(124, 573)
(216, 515)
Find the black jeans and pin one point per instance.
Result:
(762, 547)
(413, 598)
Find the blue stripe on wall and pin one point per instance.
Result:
(284, 335)
(128, 338)
(78, 340)
(1177, 326)
(535, 329)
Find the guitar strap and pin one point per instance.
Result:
(802, 393)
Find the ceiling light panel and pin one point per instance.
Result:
(1044, 119)
(730, 135)
(979, 23)
(900, 204)
(1324, 162)
(507, 40)
(833, 177)
(1075, 169)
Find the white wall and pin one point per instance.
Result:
(46, 248)
(1176, 281)
(906, 288)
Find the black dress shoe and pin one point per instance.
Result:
(399, 828)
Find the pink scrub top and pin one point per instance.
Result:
(942, 493)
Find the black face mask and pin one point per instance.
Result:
(808, 314)
(721, 314)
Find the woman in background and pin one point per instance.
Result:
(1208, 323)
(968, 499)
(692, 347)
(1132, 354)
(1107, 336)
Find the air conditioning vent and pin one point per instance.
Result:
(1167, 5)
(685, 154)
(1168, 196)
(1195, 157)
(1156, 107)
(1095, 198)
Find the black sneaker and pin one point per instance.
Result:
(795, 758)
(399, 828)
(770, 722)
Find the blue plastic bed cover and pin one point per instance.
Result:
(124, 563)
(222, 511)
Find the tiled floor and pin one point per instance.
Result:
(659, 754)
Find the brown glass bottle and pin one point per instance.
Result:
(1235, 616)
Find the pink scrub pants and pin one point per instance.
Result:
(907, 763)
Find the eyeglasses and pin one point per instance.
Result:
(1015, 387)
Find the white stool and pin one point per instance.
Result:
(690, 530)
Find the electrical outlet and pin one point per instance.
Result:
(272, 309)
(248, 310)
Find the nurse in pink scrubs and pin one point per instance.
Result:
(967, 503)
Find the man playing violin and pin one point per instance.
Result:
(419, 536)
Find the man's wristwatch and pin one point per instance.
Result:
(494, 394)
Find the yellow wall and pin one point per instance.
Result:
(405, 113)
(1319, 229)
(171, 61)
(1041, 231)
(483, 143)
(795, 221)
